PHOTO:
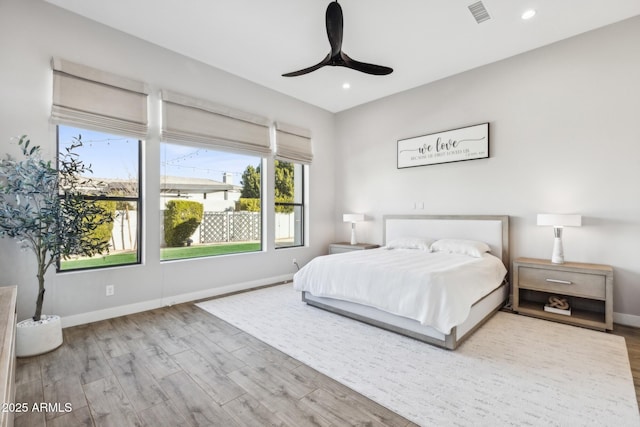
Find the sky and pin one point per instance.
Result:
(112, 156)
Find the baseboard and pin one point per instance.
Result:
(123, 310)
(214, 292)
(109, 313)
(626, 319)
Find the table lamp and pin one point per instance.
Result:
(558, 222)
(353, 218)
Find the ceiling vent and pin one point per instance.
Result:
(479, 12)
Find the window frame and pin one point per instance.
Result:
(136, 200)
(301, 204)
(261, 162)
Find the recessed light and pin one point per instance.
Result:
(346, 86)
(528, 14)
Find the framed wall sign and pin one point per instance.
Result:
(456, 145)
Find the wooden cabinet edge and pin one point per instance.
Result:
(8, 320)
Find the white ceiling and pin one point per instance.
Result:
(423, 40)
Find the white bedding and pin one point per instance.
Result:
(434, 288)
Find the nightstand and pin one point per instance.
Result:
(588, 288)
(338, 248)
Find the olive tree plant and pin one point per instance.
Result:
(50, 211)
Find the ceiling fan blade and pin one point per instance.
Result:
(378, 70)
(334, 23)
(337, 58)
(325, 61)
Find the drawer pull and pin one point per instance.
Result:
(563, 282)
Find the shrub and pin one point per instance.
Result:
(181, 219)
(103, 231)
(245, 204)
(284, 209)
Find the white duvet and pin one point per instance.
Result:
(436, 289)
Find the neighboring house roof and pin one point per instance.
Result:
(169, 184)
(179, 184)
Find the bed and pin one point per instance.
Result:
(469, 289)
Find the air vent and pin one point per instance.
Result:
(479, 12)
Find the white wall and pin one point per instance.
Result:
(565, 138)
(31, 32)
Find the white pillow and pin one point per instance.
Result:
(472, 248)
(419, 243)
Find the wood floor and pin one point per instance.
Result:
(180, 366)
(632, 337)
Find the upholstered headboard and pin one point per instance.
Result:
(491, 229)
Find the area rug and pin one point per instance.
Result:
(514, 370)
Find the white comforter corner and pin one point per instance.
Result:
(436, 289)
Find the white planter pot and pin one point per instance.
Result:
(38, 337)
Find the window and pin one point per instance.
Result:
(210, 201)
(289, 204)
(293, 154)
(115, 164)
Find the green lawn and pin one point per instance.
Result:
(165, 254)
(201, 251)
(113, 259)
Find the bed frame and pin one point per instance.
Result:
(493, 230)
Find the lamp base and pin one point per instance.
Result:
(353, 234)
(558, 252)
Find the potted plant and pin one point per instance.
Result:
(46, 209)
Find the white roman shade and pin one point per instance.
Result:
(293, 144)
(94, 99)
(186, 119)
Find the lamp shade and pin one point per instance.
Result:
(560, 220)
(353, 217)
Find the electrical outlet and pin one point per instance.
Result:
(110, 290)
(295, 262)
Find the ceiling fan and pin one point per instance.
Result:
(337, 58)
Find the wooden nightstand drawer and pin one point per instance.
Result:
(563, 282)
